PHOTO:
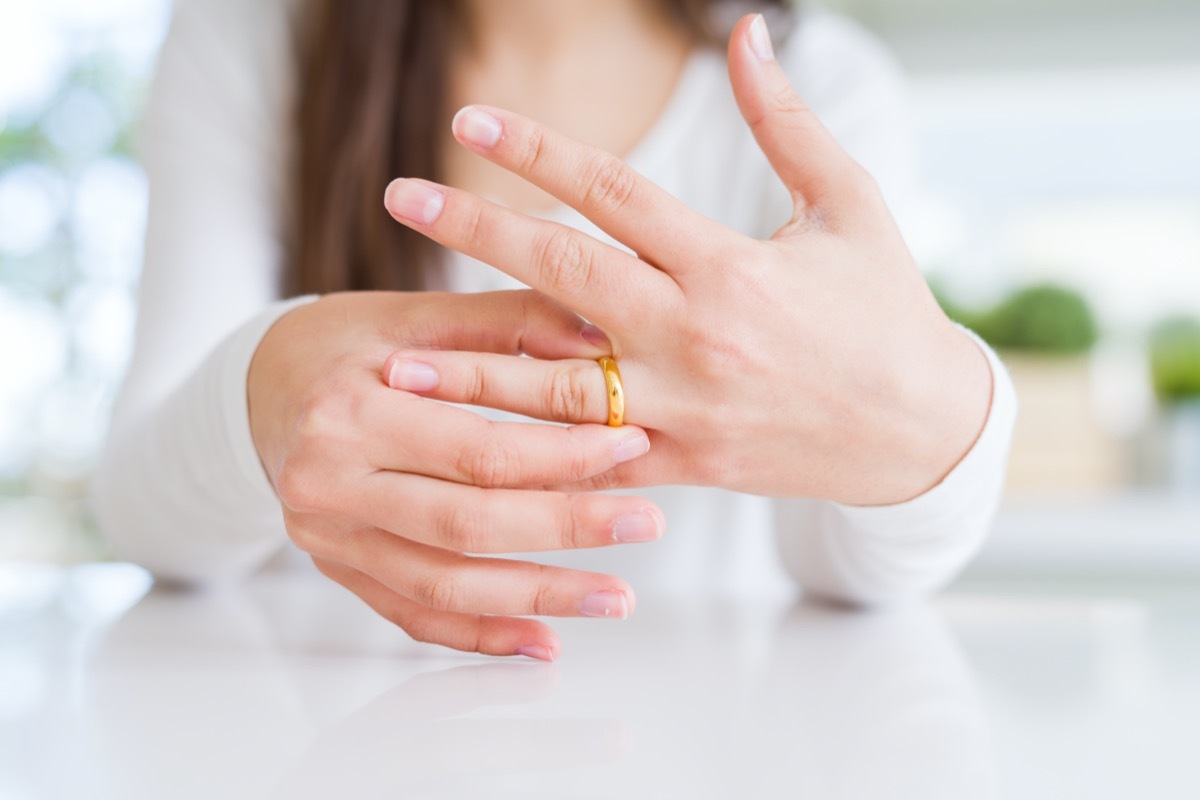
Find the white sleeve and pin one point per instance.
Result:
(875, 555)
(179, 488)
(880, 554)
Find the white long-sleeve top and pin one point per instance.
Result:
(180, 489)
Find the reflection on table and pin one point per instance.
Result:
(288, 687)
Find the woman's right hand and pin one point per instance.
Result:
(389, 492)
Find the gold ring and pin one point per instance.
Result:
(614, 390)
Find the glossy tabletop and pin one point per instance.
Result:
(287, 687)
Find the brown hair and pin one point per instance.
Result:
(370, 107)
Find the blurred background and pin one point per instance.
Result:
(1060, 219)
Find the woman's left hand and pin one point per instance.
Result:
(814, 364)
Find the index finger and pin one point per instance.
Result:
(624, 204)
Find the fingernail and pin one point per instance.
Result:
(631, 448)
(412, 376)
(605, 604)
(415, 201)
(595, 337)
(642, 526)
(477, 127)
(760, 39)
(535, 651)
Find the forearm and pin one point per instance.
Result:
(179, 488)
(881, 554)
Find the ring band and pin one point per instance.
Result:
(615, 391)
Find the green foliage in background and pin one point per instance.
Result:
(98, 74)
(1045, 318)
(23, 143)
(1175, 359)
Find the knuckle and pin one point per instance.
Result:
(601, 482)
(542, 603)
(471, 227)
(572, 523)
(463, 527)
(324, 567)
(565, 263)
(307, 539)
(785, 101)
(578, 465)
(610, 183)
(490, 464)
(476, 384)
(533, 151)
(725, 352)
(298, 487)
(322, 540)
(418, 628)
(566, 395)
(328, 411)
(438, 590)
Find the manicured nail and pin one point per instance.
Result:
(414, 201)
(642, 526)
(412, 376)
(605, 604)
(535, 651)
(595, 337)
(631, 448)
(477, 127)
(760, 39)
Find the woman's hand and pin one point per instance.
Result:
(814, 364)
(388, 492)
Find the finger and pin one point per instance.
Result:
(430, 438)
(602, 187)
(804, 154)
(447, 581)
(567, 390)
(474, 633)
(522, 321)
(468, 519)
(665, 464)
(597, 280)
(668, 463)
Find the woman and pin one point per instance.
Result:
(809, 365)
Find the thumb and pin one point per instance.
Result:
(813, 166)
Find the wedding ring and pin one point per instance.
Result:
(614, 390)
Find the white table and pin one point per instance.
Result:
(287, 687)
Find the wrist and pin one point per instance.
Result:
(955, 396)
(266, 374)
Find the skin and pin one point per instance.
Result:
(393, 521)
(869, 396)
(814, 364)
(388, 492)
